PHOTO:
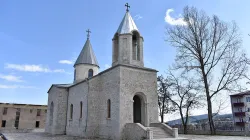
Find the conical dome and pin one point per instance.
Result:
(87, 55)
(127, 25)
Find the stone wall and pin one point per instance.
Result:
(59, 97)
(135, 131)
(109, 90)
(141, 82)
(118, 84)
(98, 89)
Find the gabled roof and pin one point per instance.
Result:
(59, 86)
(87, 55)
(127, 25)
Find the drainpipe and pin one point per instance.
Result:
(86, 123)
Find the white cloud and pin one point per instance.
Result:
(11, 78)
(106, 66)
(174, 21)
(32, 68)
(137, 17)
(66, 62)
(14, 86)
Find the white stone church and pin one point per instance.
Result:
(119, 103)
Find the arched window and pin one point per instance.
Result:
(90, 74)
(135, 46)
(108, 108)
(80, 109)
(51, 111)
(71, 111)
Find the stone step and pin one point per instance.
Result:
(159, 133)
(162, 136)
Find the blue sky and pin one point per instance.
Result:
(36, 35)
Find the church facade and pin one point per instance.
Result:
(117, 103)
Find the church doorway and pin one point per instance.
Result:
(137, 109)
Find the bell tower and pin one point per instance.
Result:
(127, 43)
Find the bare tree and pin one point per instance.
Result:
(185, 96)
(165, 106)
(211, 49)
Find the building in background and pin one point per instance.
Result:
(22, 116)
(241, 110)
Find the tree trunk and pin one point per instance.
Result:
(183, 122)
(185, 128)
(209, 103)
(162, 117)
(210, 117)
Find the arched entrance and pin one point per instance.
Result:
(140, 109)
(137, 109)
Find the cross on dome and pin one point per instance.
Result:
(128, 6)
(88, 33)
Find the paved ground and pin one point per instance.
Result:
(40, 136)
(208, 137)
(43, 136)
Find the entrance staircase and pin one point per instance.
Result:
(156, 131)
(159, 133)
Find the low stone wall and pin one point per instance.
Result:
(224, 133)
(168, 129)
(135, 131)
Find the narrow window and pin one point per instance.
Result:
(37, 124)
(17, 118)
(108, 108)
(80, 109)
(138, 52)
(38, 113)
(5, 110)
(31, 110)
(135, 46)
(3, 123)
(45, 111)
(90, 74)
(71, 111)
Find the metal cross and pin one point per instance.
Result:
(88, 33)
(127, 7)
